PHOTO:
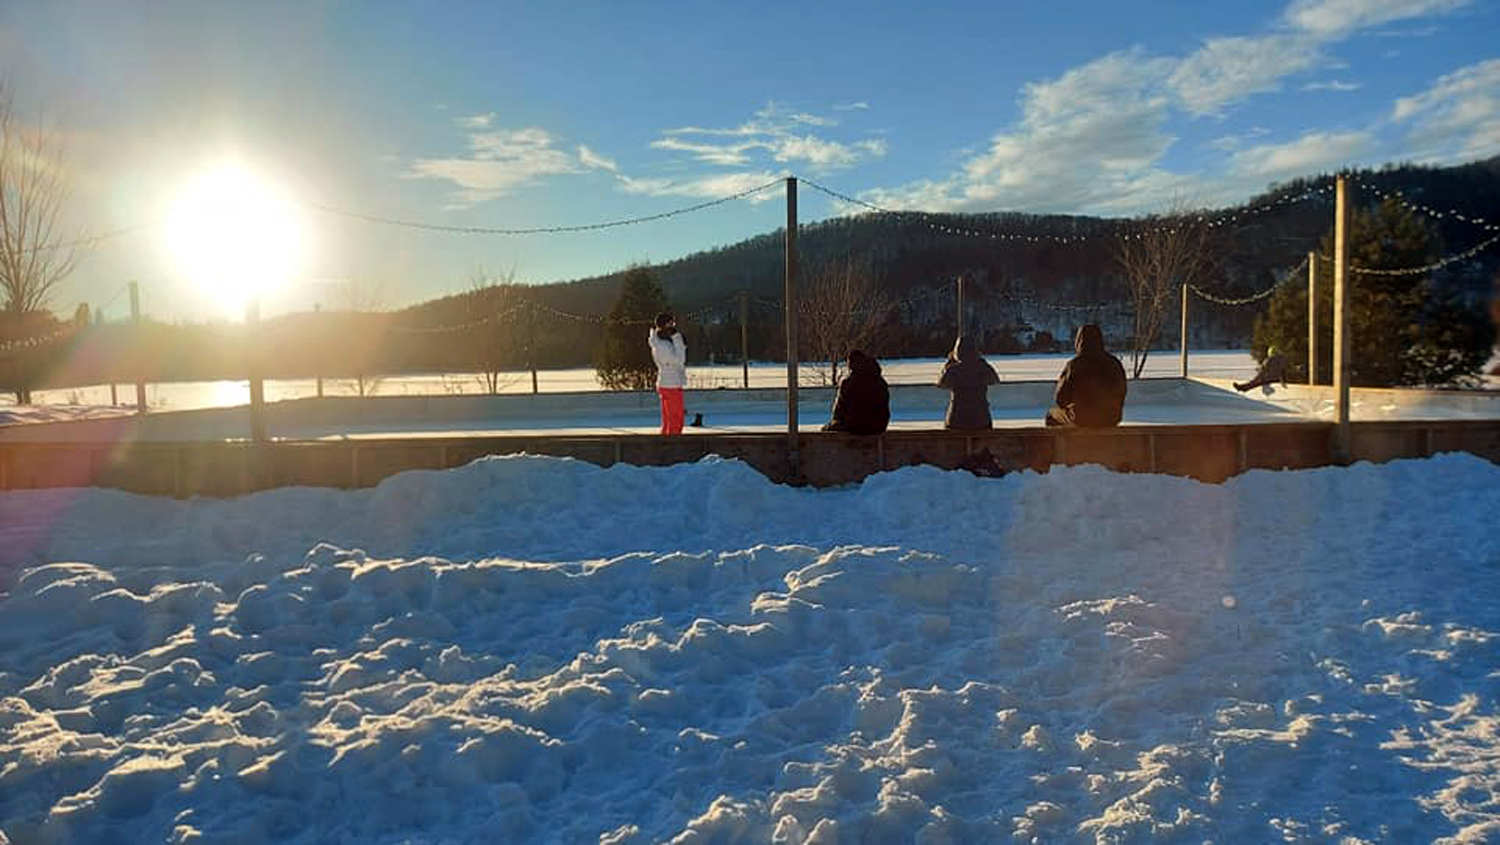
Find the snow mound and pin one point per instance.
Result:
(536, 649)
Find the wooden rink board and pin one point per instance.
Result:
(1210, 453)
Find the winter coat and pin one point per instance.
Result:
(671, 360)
(1272, 369)
(968, 377)
(863, 404)
(1092, 385)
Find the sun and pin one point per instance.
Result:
(235, 235)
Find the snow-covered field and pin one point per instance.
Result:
(533, 649)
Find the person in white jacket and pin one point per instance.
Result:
(670, 353)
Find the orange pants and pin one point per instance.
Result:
(671, 409)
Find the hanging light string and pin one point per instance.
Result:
(36, 341)
(1433, 266)
(542, 230)
(1426, 210)
(1254, 297)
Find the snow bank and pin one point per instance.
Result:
(533, 649)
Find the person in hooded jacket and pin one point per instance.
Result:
(1091, 389)
(863, 403)
(1272, 369)
(669, 351)
(968, 377)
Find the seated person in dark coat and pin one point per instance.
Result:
(968, 377)
(863, 404)
(1091, 389)
(1271, 369)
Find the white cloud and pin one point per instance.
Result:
(702, 187)
(1337, 18)
(728, 154)
(500, 161)
(1314, 152)
(590, 159)
(1458, 118)
(860, 105)
(1331, 85)
(1085, 139)
(1226, 70)
(775, 134)
(1230, 143)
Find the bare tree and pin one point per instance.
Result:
(841, 309)
(35, 254)
(495, 299)
(1158, 255)
(364, 296)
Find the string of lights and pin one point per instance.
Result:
(1427, 210)
(1254, 297)
(1435, 265)
(542, 230)
(40, 340)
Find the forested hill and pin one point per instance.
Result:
(908, 255)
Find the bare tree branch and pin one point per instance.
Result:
(841, 309)
(34, 188)
(493, 296)
(1158, 255)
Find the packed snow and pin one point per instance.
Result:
(536, 649)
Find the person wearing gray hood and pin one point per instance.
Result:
(968, 377)
(1091, 389)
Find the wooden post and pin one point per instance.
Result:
(252, 364)
(1342, 206)
(1184, 337)
(745, 336)
(790, 297)
(1312, 318)
(960, 306)
(135, 317)
(318, 309)
(531, 349)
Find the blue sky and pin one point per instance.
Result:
(507, 114)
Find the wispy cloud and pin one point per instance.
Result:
(1225, 71)
(774, 134)
(1312, 153)
(1084, 139)
(1331, 85)
(1457, 117)
(859, 105)
(590, 159)
(701, 187)
(500, 161)
(1338, 18)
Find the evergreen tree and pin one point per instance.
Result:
(1403, 330)
(623, 360)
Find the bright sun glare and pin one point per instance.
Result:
(232, 233)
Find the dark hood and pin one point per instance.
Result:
(862, 364)
(1089, 340)
(966, 348)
